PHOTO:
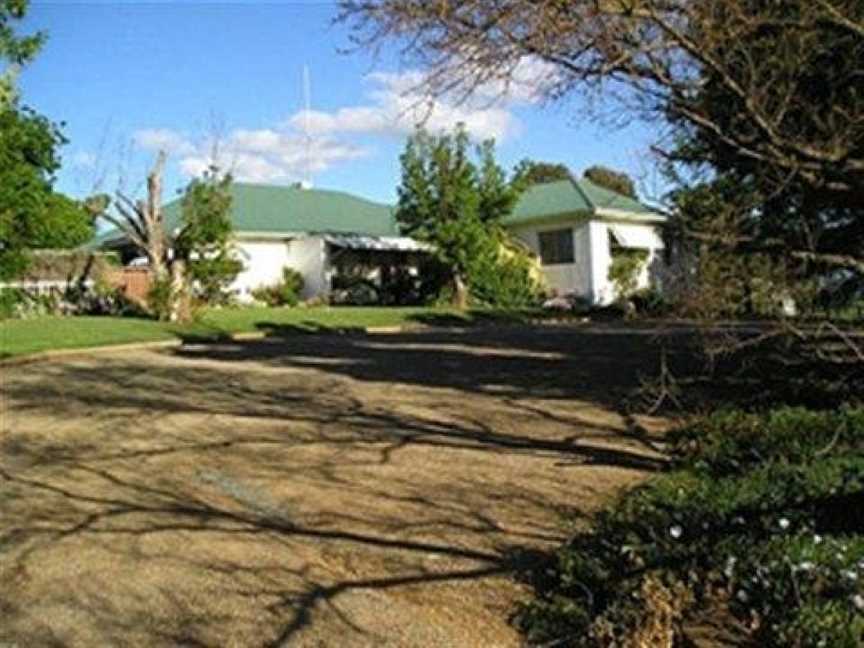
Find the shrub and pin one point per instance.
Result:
(731, 441)
(763, 521)
(11, 299)
(624, 270)
(285, 293)
(504, 280)
(651, 302)
(160, 298)
(212, 277)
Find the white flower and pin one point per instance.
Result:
(742, 596)
(676, 531)
(817, 539)
(858, 602)
(850, 574)
(784, 523)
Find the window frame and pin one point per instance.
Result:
(561, 246)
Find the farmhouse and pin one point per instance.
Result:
(573, 227)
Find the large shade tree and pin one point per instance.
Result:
(767, 91)
(31, 214)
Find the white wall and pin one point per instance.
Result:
(263, 261)
(262, 265)
(588, 275)
(563, 278)
(641, 236)
(307, 256)
(602, 291)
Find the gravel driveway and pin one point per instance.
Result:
(305, 490)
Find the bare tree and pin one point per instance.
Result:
(141, 221)
(655, 58)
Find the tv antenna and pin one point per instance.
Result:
(307, 131)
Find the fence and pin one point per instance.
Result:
(134, 282)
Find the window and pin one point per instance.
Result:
(556, 246)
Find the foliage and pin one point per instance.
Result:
(64, 223)
(15, 50)
(97, 298)
(505, 277)
(68, 265)
(285, 293)
(651, 302)
(204, 241)
(761, 520)
(625, 268)
(10, 301)
(529, 172)
(616, 181)
(161, 298)
(456, 205)
(788, 164)
(31, 215)
(28, 159)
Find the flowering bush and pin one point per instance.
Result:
(762, 521)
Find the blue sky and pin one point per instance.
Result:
(128, 78)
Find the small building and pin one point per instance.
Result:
(576, 227)
(314, 231)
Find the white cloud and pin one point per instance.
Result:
(164, 139)
(398, 102)
(262, 155)
(394, 105)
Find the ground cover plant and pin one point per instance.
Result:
(760, 525)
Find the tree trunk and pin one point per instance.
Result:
(179, 309)
(460, 293)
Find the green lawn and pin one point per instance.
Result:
(19, 337)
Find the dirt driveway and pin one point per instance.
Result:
(305, 490)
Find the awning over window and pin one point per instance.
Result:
(382, 243)
(644, 237)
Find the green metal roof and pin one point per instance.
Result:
(270, 210)
(565, 199)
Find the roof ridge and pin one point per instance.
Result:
(584, 194)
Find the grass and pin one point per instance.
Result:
(22, 337)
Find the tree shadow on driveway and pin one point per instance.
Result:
(304, 490)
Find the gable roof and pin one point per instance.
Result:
(566, 199)
(273, 211)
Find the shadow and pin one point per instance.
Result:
(601, 363)
(307, 489)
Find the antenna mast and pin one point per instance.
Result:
(307, 136)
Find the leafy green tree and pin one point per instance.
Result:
(64, 223)
(204, 242)
(28, 160)
(31, 214)
(531, 172)
(456, 204)
(613, 180)
(14, 50)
